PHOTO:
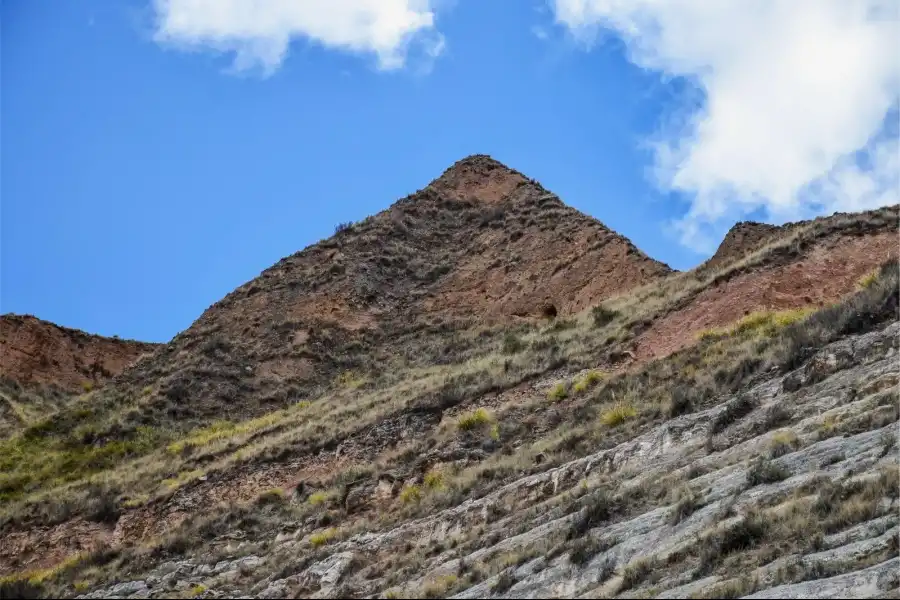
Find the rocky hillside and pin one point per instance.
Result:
(43, 365)
(482, 244)
(742, 239)
(786, 489)
(746, 237)
(482, 392)
(33, 351)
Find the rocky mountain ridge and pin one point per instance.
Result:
(480, 391)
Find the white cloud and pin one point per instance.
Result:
(797, 98)
(259, 32)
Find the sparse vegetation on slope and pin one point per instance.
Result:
(428, 459)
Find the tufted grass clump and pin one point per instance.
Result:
(317, 498)
(410, 494)
(271, 496)
(868, 280)
(224, 430)
(438, 587)
(618, 414)
(35, 578)
(763, 471)
(590, 379)
(760, 324)
(322, 538)
(350, 380)
(783, 442)
(558, 392)
(636, 572)
(473, 420)
(685, 506)
(434, 480)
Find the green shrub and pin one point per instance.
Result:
(196, 590)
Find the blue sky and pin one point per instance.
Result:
(142, 180)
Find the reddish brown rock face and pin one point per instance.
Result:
(33, 351)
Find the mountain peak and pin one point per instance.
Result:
(479, 177)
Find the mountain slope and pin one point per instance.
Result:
(352, 423)
(481, 244)
(43, 365)
(33, 351)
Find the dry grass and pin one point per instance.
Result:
(558, 392)
(318, 498)
(37, 577)
(589, 380)
(684, 507)
(339, 414)
(758, 324)
(323, 537)
(474, 420)
(618, 414)
(410, 494)
(868, 280)
(437, 587)
(763, 471)
(350, 380)
(783, 442)
(434, 480)
(636, 572)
